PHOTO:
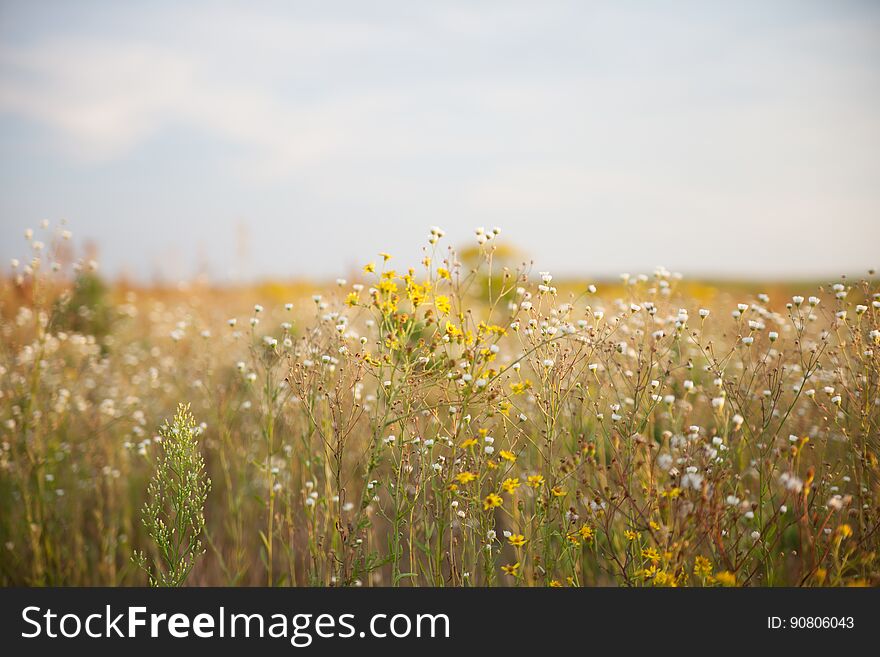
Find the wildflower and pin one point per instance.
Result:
(691, 479)
(651, 554)
(510, 484)
(535, 481)
(516, 540)
(844, 531)
(511, 569)
(702, 567)
(465, 477)
(726, 578)
(557, 491)
(630, 535)
(586, 533)
(492, 500)
(442, 304)
(507, 455)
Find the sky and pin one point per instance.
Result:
(265, 139)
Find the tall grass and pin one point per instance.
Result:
(462, 423)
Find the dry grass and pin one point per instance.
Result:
(464, 423)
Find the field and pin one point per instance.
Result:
(469, 421)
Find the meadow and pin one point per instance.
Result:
(468, 421)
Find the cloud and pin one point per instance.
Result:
(568, 113)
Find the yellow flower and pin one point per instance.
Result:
(465, 477)
(630, 535)
(385, 256)
(519, 387)
(387, 286)
(492, 500)
(452, 330)
(369, 268)
(517, 540)
(662, 578)
(470, 442)
(443, 273)
(511, 569)
(726, 578)
(702, 567)
(535, 481)
(443, 305)
(351, 299)
(651, 554)
(586, 532)
(844, 531)
(555, 584)
(507, 456)
(649, 572)
(557, 491)
(510, 484)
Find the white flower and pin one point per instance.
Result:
(704, 313)
(773, 335)
(791, 482)
(691, 479)
(797, 300)
(258, 308)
